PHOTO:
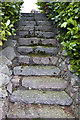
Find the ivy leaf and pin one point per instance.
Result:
(8, 22)
(64, 25)
(1, 43)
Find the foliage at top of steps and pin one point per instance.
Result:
(67, 17)
(10, 12)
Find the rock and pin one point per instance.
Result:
(5, 61)
(2, 109)
(15, 80)
(8, 52)
(5, 70)
(46, 50)
(25, 50)
(54, 60)
(4, 79)
(9, 87)
(36, 70)
(44, 82)
(23, 59)
(3, 93)
(38, 111)
(11, 43)
(74, 79)
(41, 97)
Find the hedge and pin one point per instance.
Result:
(9, 15)
(67, 17)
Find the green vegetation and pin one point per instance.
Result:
(9, 15)
(67, 17)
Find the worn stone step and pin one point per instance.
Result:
(26, 28)
(27, 14)
(36, 70)
(27, 33)
(27, 23)
(41, 97)
(45, 28)
(24, 50)
(44, 34)
(44, 83)
(17, 111)
(29, 18)
(37, 41)
(37, 28)
(37, 60)
(32, 33)
(33, 18)
(42, 23)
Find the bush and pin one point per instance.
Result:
(10, 12)
(67, 17)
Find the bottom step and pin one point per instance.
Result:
(38, 111)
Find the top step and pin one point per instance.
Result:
(33, 14)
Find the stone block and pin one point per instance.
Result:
(46, 50)
(4, 80)
(25, 50)
(42, 23)
(8, 52)
(36, 70)
(44, 28)
(41, 97)
(44, 34)
(49, 42)
(4, 60)
(29, 41)
(23, 59)
(27, 23)
(44, 82)
(15, 81)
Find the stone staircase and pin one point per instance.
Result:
(38, 89)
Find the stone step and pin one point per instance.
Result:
(44, 34)
(37, 60)
(32, 33)
(27, 23)
(37, 41)
(24, 50)
(42, 23)
(26, 28)
(36, 70)
(41, 97)
(44, 83)
(23, 18)
(27, 14)
(17, 111)
(45, 28)
(33, 14)
(34, 18)
(36, 28)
